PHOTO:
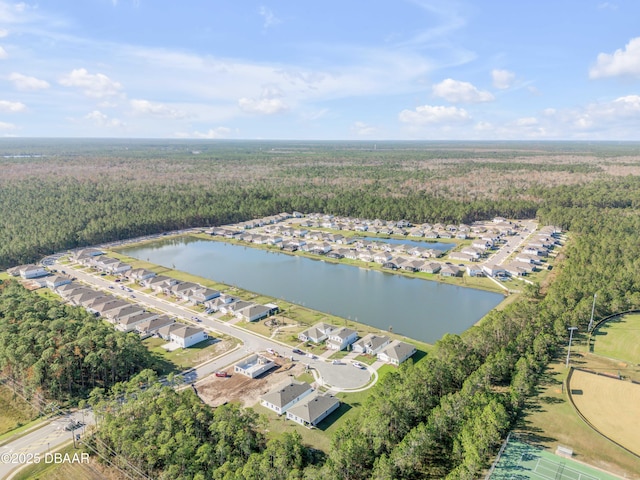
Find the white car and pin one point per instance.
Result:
(358, 365)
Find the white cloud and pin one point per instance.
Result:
(460, 92)
(3, 32)
(93, 85)
(7, 126)
(270, 20)
(3, 53)
(263, 106)
(526, 122)
(12, 107)
(103, 120)
(145, 107)
(607, 6)
(620, 63)
(23, 82)
(502, 79)
(428, 114)
(363, 129)
(212, 133)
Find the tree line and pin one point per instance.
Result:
(61, 352)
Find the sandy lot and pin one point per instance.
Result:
(216, 391)
(612, 406)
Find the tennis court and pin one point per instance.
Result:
(521, 461)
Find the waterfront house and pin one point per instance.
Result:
(370, 344)
(341, 338)
(396, 353)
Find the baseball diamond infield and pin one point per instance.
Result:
(609, 405)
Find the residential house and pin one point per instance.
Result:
(284, 397)
(183, 335)
(28, 271)
(254, 366)
(200, 295)
(56, 281)
(475, 271)
(450, 271)
(431, 267)
(396, 353)
(370, 344)
(494, 270)
(129, 323)
(382, 257)
(462, 256)
(140, 274)
(152, 325)
(313, 409)
(253, 312)
(341, 338)
(318, 333)
(124, 312)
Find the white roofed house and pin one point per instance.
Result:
(310, 411)
(284, 397)
(431, 267)
(397, 352)
(341, 338)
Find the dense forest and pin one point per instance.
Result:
(441, 418)
(60, 352)
(56, 195)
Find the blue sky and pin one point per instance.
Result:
(294, 69)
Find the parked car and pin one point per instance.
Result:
(298, 351)
(222, 374)
(358, 365)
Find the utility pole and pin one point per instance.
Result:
(593, 309)
(571, 329)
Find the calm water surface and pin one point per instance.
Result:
(417, 308)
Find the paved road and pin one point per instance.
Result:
(337, 375)
(38, 442)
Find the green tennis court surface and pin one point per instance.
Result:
(520, 461)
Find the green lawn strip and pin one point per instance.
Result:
(550, 420)
(182, 359)
(276, 426)
(619, 338)
(368, 359)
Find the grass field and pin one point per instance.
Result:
(65, 471)
(619, 338)
(14, 412)
(612, 406)
(521, 461)
(551, 420)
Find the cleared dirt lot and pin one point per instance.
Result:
(611, 406)
(216, 391)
